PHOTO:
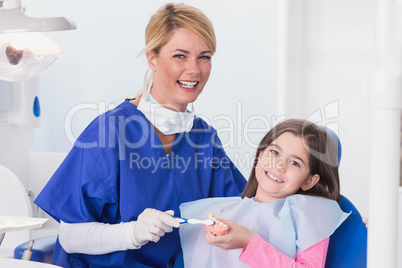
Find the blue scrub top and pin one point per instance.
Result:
(118, 167)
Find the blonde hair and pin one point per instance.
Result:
(171, 17)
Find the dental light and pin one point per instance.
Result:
(24, 53)
(13, 20)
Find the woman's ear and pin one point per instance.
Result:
(152, 60)
(310, 182)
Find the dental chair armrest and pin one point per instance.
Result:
(42, 250)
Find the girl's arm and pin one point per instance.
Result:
(260, 253)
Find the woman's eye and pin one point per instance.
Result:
(179, 56)
(205, 57)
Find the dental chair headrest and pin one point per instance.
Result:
(336, 139)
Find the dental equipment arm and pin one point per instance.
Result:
(102, 238)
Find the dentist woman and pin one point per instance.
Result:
(118, 188)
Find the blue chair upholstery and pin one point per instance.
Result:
(348, 245)
(42, 249)
(179, 263)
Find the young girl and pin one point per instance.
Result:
(286, 213)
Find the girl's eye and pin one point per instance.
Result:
(295, 163)
(273, 152)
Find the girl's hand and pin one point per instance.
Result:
(237, 236)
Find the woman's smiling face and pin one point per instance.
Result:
(283, 168)
(181, 69)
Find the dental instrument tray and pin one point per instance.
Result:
(17, 223)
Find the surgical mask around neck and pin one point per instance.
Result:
(165, 120)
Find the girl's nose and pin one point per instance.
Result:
(280, 164)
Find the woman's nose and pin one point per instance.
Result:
(192, 67)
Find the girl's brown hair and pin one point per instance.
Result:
(322, 151)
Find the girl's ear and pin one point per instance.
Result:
(310, 182)
(152, 60)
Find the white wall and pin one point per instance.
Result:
(330, 63)
(332, 53)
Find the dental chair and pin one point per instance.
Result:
(348, 244)
(14, 201)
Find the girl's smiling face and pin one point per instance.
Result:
(181, 69)
(283, 168)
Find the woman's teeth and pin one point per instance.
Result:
(274, 178)
(187, 84)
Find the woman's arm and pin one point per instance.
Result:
(101, 238)
(260, 253)
(95, 237)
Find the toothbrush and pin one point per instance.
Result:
(194, 221)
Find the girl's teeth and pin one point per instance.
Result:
(187, 84)
(273, 177)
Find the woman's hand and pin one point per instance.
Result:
(237, 236)
(151, 225)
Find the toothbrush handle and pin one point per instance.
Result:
(181, 220)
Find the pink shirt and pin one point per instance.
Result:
(260, 253)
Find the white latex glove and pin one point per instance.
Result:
(151, 225)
